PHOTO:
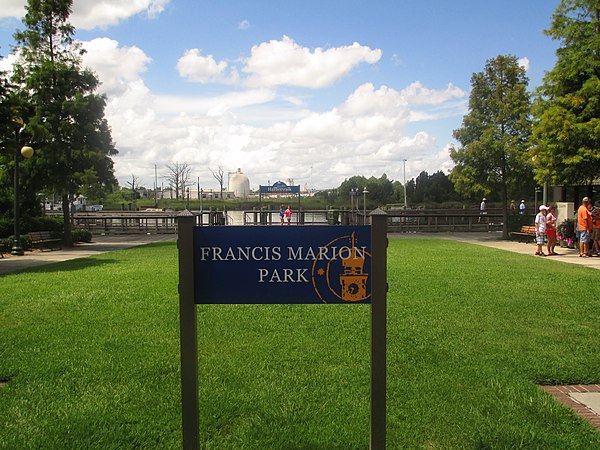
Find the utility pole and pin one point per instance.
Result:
(404, 161)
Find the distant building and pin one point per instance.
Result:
(239, 184)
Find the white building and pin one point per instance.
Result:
(239, 184)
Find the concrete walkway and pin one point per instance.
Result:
(494, 239)
(103, 244)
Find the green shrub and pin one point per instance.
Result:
(44, 223)
(6, 227)
(6, 242)
(80, 235)
(10, 240)
(39, 223)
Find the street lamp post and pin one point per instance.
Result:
(405, 204)
(353, 193)
(25, 152)
(365, 192)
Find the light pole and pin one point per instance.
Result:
(365, 192)
(187, 191)
(353, 193)
(25, 152)
(405, 204)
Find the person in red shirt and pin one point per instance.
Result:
(584, 222)
(551, 230)
(595, 212)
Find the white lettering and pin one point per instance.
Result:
(262, 273)
(256, 250)
(282, 276)
(294, 255)
(301, 278)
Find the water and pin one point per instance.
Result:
(237, 217)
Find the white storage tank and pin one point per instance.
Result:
(239, 184)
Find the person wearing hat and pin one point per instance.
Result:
(540, 229)
(522, 207)
(482, 208)
(584, 222)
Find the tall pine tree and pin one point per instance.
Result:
(66, 118)
(493, 151)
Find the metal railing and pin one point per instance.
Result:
(399, 221)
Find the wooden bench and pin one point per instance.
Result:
(44, 240)
(4, 248)
(526, 233)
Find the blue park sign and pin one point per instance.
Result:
(286, 265)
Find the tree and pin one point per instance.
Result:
(66, 117)
(6, 136)
(219, 175)
(179, 177)
(566, 129)
(493, 152)
(436, 188)
(133, 184)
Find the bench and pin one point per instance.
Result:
(526, 233)
(4, 248)
(44, 240)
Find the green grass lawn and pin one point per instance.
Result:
(89, 350)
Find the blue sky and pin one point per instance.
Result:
(312, 91)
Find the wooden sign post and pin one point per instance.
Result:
(326, 264)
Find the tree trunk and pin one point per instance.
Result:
(504, 211)
(67, 237)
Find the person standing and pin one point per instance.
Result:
(540, 229)
(595, 212)
(551, 230)
(513, 207)
(288, 214)
(281, 214)
(522, 207)
(584, 223)
(482, 211)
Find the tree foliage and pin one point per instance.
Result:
(567, 126)
(428, 189)
(494, 137)
(65, 116)
(379, 190)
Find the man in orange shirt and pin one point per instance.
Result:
(584, 222)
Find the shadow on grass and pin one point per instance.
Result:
(63, 266)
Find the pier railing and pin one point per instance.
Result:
(399, 221)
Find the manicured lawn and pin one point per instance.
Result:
(90, 353)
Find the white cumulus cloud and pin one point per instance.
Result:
(88, 14)
(204, 69)
(117, 67)
(284, 62)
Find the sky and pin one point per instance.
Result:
(310, 92)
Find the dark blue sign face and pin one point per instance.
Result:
(282, 264)
(279, 188)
